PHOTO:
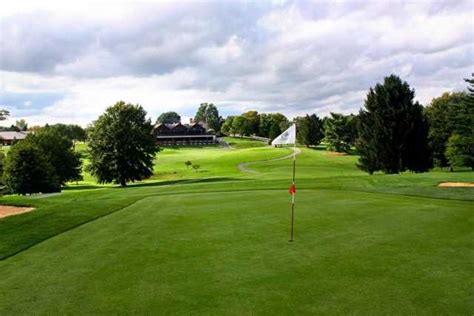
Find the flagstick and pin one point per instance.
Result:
(293, 196)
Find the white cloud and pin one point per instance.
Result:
(68, 63)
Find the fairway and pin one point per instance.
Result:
(215, 242)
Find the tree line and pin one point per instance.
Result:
(392, 133)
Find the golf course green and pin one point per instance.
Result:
(214, 240)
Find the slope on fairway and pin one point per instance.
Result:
(213, 161)
(76, 207)
(227, 253)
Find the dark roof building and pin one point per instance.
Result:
(7, 137)
(183, 134)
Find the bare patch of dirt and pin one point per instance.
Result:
(334, 153)
(6, 210)
(456, 185)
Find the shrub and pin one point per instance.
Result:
(28, 171)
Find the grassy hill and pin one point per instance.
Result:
(216, 241)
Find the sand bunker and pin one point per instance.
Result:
(13, 210)
(334, 153)
(456, 185)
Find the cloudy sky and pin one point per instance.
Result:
(67, 62)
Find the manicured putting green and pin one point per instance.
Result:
(228, 253)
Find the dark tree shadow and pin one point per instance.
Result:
(78, 187)
(152, 183)
(181, 181)
(322, 147)
(189, 147)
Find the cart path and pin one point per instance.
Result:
(243, 166)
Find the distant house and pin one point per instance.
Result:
(183, 134)
(7, 137)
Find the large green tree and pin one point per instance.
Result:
(227, 127)
(209, 114)
(309, 130)
(254, 121)
(241, 125)
(58, 150)
(73, 132)
(122, 147)
(447, 114)
(265, 124)
(460, 151)
(393, 133)
(280, 120)
(274, 131)
(460, 145)
(168, 118)
(340, 132)
(273, 124)
(27, 170)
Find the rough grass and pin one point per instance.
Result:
(215, 242)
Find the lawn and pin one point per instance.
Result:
(239, 143)
(216, 241)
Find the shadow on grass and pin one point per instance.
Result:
(317, 147)
(181, 181)
(322, 147)
(163, 148)
(79, 187)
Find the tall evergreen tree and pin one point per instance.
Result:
(470, 92)
(416, 153)
(309, 130)
(122, 147)
(468, 102)
(392, 130)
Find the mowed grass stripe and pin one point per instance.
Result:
(228, 253)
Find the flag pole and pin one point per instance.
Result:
(293, 194)
(286, 138)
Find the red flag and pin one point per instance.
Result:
(292, 189)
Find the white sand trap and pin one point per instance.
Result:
(334, 154)
(6, 210)
(456, 185)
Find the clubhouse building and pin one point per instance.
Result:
(183, 134)
(8, 137)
